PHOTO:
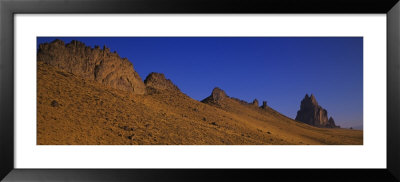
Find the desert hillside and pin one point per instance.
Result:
(72, 110)
(100, 105)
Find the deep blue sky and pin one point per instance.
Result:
(280, 70)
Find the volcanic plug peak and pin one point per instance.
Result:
(313, 114)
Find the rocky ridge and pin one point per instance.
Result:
(90, 63)
(110, 69)
(218, 95)
(76, 108)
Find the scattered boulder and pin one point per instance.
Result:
(54, 103)
(313, 114)
(130, 137)
(126, 128)
(96, 64)
(159, 82)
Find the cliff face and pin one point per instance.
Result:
(313, 114)
(96, 64)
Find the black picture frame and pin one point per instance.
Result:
(8, 8)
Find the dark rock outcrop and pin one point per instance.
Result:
(255, 102)
(159, 82)
(264, 105)
(96, 64)
(313, 114)
(331, 123)
(216, 96)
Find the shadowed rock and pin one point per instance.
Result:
(331, 123)
(54, 103)
(216, 96)
(93, 64)
(159, 82)
(264, 105)
(313, 114)
(255, 102)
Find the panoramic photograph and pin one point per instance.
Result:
(199, 91)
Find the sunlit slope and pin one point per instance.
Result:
(71, 110)
(287, 129)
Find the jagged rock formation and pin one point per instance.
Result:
(313, 114)
(216, 96)
(96, 64)
(74, 111)
(159, 82)
(255, 102)
(264, 105)
(331, 123)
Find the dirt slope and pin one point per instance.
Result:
(75, 111)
